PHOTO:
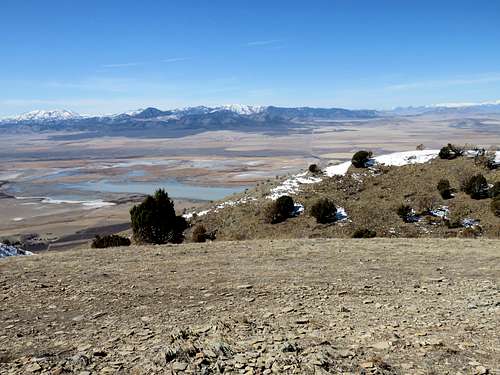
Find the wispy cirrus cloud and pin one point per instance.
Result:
(257, 43)
(121, 65)
(176, 59)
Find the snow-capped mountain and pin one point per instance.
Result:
(246, 111)
(241, 109)
(50, 115)
(450, 108)
(182, 121)
(462, 105)
(130, 113)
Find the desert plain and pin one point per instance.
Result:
(59, 189)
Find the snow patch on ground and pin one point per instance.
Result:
(9, 251)
(442, 212)
(398, 159)
(297, 209)
(292, 185)
(90, 204)
(470, 223)
(219, 207)
(341, 214)
(338, 169)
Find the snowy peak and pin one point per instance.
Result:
(241, 109)
(462, 105)
(451, 108)
(130, 113)
(51, 115)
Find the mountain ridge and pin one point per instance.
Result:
(179, 122)
(152, 112)
(55, 115)
(236, 117)
(449, 108)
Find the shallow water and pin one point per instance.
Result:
(174, 188)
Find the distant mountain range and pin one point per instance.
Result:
(450, 108)
(229, 117)
(254, 112)
(181, 121)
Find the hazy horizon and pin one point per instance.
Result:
(95, 58)
(49, 109)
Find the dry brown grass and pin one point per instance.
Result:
(371, 202)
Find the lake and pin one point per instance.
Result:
(174, 188)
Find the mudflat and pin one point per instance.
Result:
(398, 306)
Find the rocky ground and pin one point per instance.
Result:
(400, 306)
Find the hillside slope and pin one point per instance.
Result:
(295, 306)
(365, 198)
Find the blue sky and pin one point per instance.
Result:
(109, 56)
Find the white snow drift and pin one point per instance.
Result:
(9, 251)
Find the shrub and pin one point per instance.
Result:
(324, 211)
(471, 232)
(112, 240)
(457, 215)
(476, 186)
(450, 152)
(405, 212)
(495, 190)
(155, 221)
(495, 205)
(364, 233)
(360, 158)
(463, 176)
(444, 189)
(425, 203)
(445, 153)
(314, 169)
(279, 210)
(486, 158)
(199, 234)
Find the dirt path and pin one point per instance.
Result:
(296, 306)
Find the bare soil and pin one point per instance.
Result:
(317, 306)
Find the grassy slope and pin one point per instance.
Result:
(370, 201)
